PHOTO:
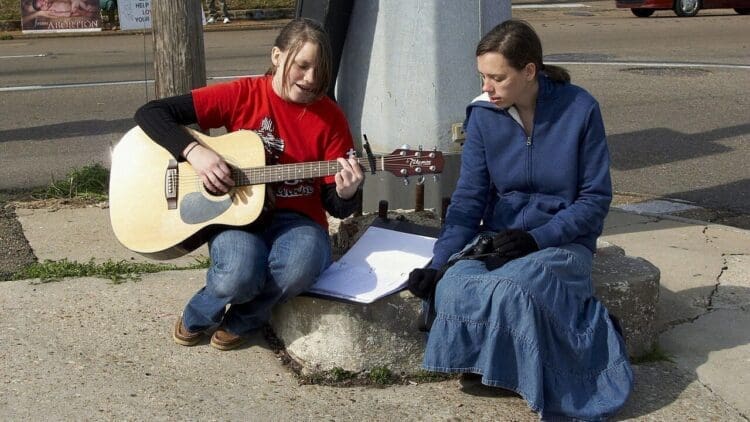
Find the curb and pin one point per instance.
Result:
(679, 219)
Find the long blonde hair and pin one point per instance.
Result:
(292, 38)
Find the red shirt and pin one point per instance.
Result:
(291, 133)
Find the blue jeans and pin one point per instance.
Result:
(254, 271)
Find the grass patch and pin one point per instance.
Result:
(117, 271)
(381, 375)
(655, 355)
(340, 374)
(88, 182)
(376, 377)
(261, 4)
(10, 10)
(422, 376)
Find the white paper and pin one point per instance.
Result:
(376, 266)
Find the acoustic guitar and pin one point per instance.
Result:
(159, 207)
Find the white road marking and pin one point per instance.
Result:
(95, 84)
(548, 6)
(21, 56)
(654, 64)
(596, 63)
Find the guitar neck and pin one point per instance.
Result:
(283, 172)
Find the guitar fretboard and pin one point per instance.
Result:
(281, 172)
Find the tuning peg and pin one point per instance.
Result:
(405, 146)
(420, 180)
(435, 178)
(406, 181)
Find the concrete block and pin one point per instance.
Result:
(629, 288)
(322, 334)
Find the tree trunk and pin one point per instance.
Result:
(179, 57)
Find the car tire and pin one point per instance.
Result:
(642, 13)
(686, 8)
(742, 11)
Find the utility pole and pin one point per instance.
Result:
(179, 57)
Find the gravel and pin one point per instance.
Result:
(15, 252)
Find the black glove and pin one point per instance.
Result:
(495, 261)
(514, 244)
(422, 282)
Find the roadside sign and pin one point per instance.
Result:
(134, 14)
(60, 16)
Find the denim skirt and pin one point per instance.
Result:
(533, 326)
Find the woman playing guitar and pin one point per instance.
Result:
(253, 268)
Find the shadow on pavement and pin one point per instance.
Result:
(704, 342)
(651, 147)
(78, 128)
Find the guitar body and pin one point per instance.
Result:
(159, 208)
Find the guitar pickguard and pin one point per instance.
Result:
(196, 209)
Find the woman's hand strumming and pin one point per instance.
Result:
(214, 172)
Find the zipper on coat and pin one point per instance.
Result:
(529, 146)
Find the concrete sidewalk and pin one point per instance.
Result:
(86, 348)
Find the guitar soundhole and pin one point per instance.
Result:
(212, 193)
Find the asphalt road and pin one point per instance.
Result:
(678, 131)
(674, 94)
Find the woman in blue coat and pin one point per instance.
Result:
(515, 302)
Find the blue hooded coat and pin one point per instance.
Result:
(555, 184)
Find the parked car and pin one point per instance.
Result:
(645, 8)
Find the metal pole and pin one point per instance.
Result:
(419, 197)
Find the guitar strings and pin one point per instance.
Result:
(285, 171)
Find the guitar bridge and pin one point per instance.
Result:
(171, 182)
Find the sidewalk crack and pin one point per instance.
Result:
(715, 290)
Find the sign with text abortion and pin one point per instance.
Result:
(60, 16)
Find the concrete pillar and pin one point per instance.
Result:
(407, 72)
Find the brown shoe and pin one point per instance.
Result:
(182, 336)
(224, 340)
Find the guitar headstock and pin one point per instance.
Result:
(407, 162)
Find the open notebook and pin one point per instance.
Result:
(377, 265)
